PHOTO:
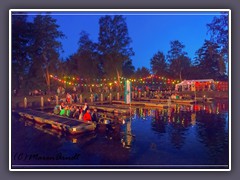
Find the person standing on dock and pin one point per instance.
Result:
(95, 97)
(68, 98)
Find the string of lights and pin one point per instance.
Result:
(76, 81)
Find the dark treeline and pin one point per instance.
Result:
(36, 49)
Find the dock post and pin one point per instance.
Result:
(91, 98)
(56, 100)
(101, 98)
(118, 96)
(110, 97)
(42, 102)
(80, 98)
(139, 94)
(25, 102)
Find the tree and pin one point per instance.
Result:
(179, 62)
(159, 65)
(209, 61)
(21, 37)
(114, 45)
(84, 62)
(142, 72)
(180, 67)
(128, 69)
(218, 30)
(45, 49)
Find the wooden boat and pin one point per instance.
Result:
(65, 124)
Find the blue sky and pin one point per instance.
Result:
(150, 31)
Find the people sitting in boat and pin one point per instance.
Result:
(65, 111)
(94, 115)
(87, 116)
(57, 109)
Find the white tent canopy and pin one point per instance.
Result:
(192, 81)
(190, 84)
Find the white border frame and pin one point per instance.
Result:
(116, 10)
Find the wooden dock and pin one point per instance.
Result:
(68, 125)
(108, 108)
(143, 103)
(176, 101)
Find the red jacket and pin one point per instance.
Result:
(87, 117)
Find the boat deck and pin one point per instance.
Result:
(68, 125)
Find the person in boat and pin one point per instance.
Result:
(62, 112)
(72, 111)
(67, 111)
(76, 113)
(57, 109)
(85, 108)
(87, 116)
(62, 106)
(80, 113)
(95, 115)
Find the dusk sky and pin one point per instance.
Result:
(150, 31)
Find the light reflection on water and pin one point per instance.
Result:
(181, 135)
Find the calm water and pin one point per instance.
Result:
(179, 137)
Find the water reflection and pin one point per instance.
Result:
(149, 136)
(128, 136)
(210, 120)
(212, 133)
(47, 129)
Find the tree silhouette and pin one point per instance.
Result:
(209, 61)
(21, 38)
(114, 44)
(178, 59)
(219, 30)
(159, 65)
(44, 49)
